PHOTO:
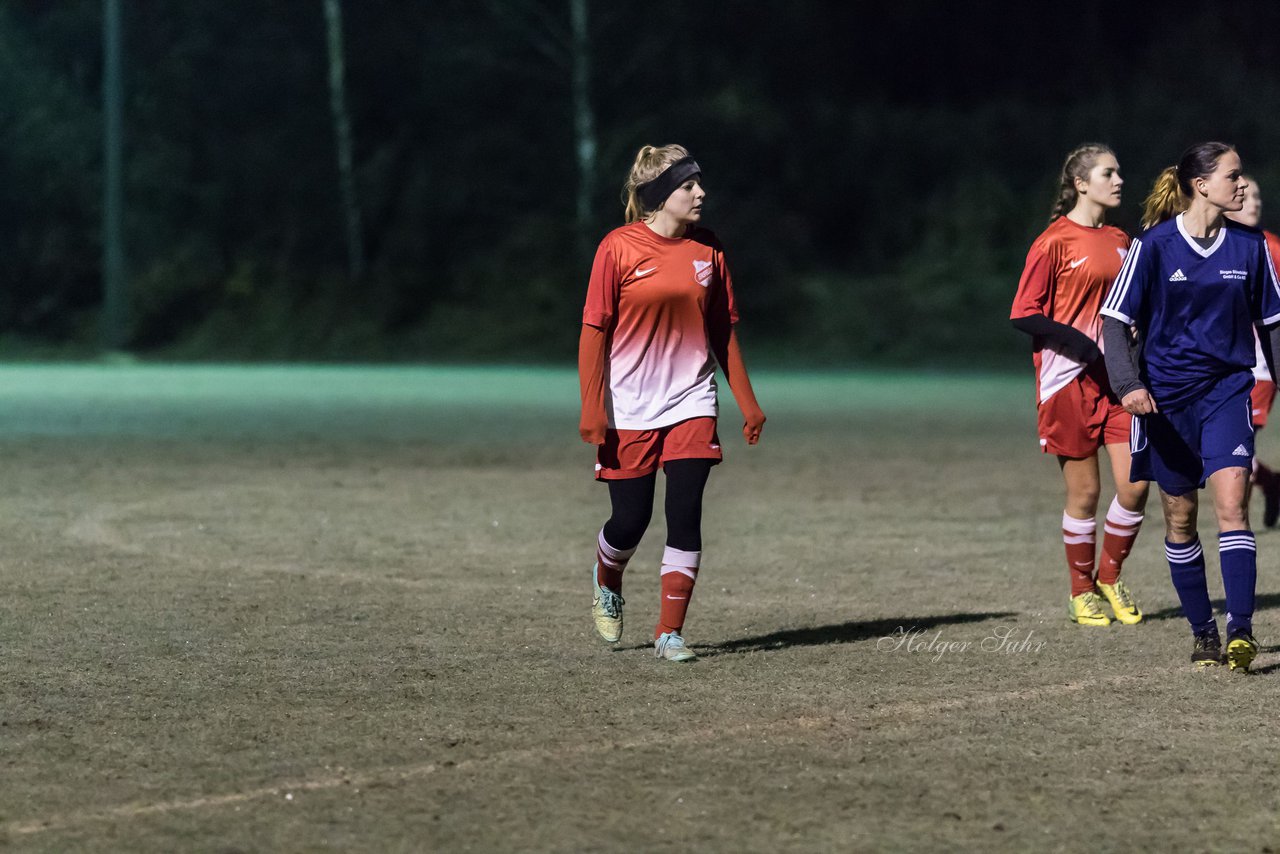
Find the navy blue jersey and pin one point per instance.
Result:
(1194, 308)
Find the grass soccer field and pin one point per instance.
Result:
(301, 609)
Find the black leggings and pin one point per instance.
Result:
(632, 501)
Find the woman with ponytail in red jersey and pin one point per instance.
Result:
(659, 318)
(1069, 268)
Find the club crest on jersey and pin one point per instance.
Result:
(1124, 253)
(702, 272)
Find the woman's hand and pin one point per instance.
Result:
(1138, 402)
(591, 427)
(753, 424)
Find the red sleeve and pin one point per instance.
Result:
(594, 418)
(1035, 285)
(603, 289)
(1273, 245)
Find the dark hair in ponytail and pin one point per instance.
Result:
(1171, 194)
(1079, 164)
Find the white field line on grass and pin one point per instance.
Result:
(96, 529)
(895, 712)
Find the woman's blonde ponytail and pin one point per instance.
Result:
(1166, 199)
(651, 161)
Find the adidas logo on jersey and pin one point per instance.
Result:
(1240, 451)
(1178, 276)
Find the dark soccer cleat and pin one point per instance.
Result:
(1207, 650)
(1241, 651)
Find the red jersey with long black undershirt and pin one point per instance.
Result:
(657, 298)
(1069, 269)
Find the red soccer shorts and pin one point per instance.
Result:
(1260, 400)
(1080, 418)
(636, 453)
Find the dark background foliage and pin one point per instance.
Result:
(875, 170)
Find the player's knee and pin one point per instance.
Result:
(625, 528)
(1083, 503)
(1083, 491)
(1233, 517)
(1132, 496)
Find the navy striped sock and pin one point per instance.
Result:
(1186, 567)
(1238, 553)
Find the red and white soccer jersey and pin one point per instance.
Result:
(657, 297)
(1264, 388)
(1069, 269)
(1260, 372)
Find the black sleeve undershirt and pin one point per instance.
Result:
(1060, 337)
(1121, 357)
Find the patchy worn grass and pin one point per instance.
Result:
(321, 608)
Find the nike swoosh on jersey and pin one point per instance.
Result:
(640, 272)
(1074, 264)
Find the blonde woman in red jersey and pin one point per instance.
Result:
(1069, 269)
(659, 318)
(1264, 386)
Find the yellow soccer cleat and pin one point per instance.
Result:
(1241, 650)
(606, 610)
(1122, 603)
(1086, 609)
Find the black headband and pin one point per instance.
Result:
(653, 193)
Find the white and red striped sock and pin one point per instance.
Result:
(610, 563)
(1080, 538)
(1121, 529)
(679, 572)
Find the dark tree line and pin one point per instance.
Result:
(875, 173)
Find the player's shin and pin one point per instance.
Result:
(610, 563)
(1237, 552)
(1121, 529)
(1186, 569)
(1080, 541)
(679, 573)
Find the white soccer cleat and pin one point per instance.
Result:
(670, 646)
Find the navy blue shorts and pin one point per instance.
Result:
(1180, 449)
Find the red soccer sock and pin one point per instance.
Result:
(1078, 535)
(679, 572)
(1121, 529)
(610, 563)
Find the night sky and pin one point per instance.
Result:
(852, 151)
